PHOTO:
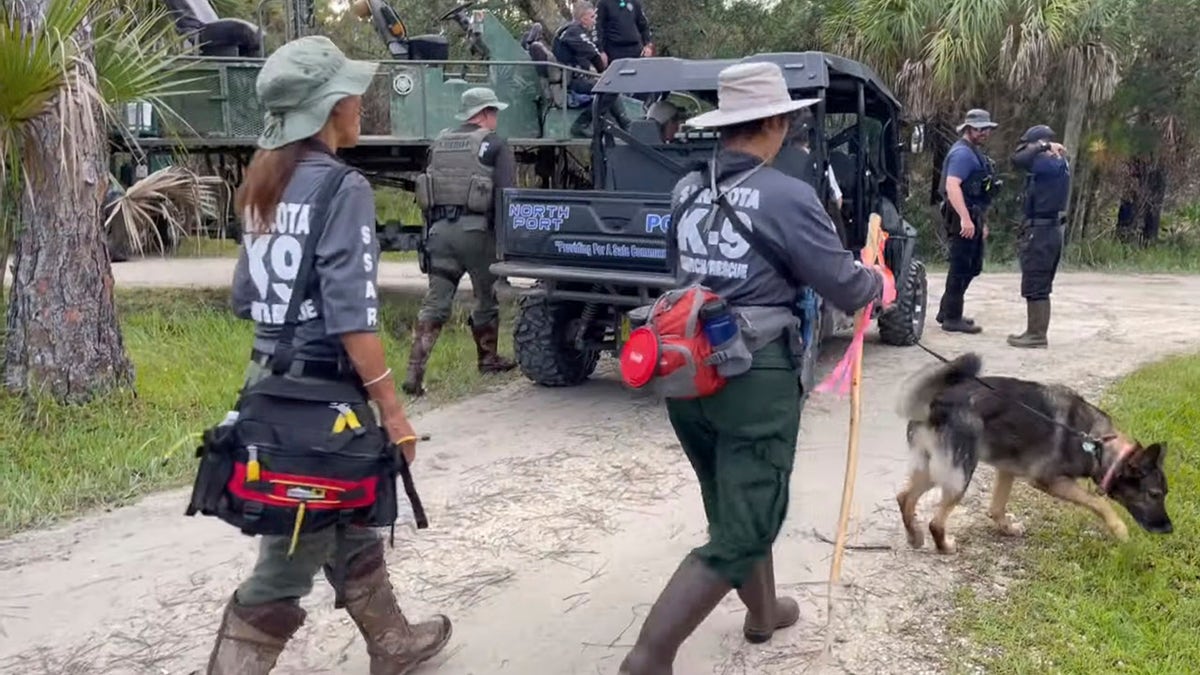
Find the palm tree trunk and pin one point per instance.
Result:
(1072, 137)
(63, 336)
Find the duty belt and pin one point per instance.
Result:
(323, 370)
(450, 213)
(1045, 221)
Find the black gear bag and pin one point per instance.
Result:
(297, 457)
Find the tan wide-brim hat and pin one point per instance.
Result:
(747, 92)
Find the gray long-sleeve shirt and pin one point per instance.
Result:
(346, 273)
(787, 213)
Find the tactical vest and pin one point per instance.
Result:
(977, 187)
(1046, 193)
(457, 181)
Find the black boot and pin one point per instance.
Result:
(1037, 325)
(689, 597)
(950, 313)
(765, 613)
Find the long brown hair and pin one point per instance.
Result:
(267, 177)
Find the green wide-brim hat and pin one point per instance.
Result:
(301, 82)
(476, 100)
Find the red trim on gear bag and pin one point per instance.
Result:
(272, 488)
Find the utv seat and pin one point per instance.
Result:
(211, 35)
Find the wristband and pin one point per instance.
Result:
(379, 379)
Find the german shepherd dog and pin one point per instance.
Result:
(956, 421)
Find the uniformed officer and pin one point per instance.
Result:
(741, 441)
(573, 46)
(313, 95)
(622, 30)
(468, 166)
(968, 179)
(1039, 248)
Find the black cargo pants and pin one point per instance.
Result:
(966, 263)
(1039, 251)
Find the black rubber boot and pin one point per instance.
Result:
(765, 612)
(689, 597)
(1037, 325)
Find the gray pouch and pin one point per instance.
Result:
(732, 358)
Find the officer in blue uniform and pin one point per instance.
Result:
(1039, 248)
(968, 181)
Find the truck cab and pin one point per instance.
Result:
(598, 255)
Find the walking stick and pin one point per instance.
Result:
(871, 254)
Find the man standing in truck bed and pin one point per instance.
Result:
(622, 31)
(468, 166)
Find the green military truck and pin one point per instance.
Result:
(597, 254)
(415, 96)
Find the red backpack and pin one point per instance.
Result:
(671, 350)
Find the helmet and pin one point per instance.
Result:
(1037, 133)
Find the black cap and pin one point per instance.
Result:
(1041, 132)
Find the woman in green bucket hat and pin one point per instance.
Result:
(313, 96)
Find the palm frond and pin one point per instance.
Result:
(175, 196)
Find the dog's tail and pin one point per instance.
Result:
(924, 387)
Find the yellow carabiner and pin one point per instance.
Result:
(296, 529)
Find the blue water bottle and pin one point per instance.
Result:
(718, 322)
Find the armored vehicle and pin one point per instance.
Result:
(597, 254)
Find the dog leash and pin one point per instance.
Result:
(1090, 444)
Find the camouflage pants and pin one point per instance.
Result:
(455, 250)
(275, 577)
(741, 443)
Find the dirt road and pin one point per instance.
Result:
(556, 516)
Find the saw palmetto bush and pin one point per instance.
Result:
(68, 67)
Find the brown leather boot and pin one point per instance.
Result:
(251, 638)
(424, 337)
(765, 613)
(486, 338)
(396, 647)
(689, 597)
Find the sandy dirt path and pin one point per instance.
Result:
(557, 515)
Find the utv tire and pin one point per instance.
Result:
(904, 324)
(544, 346)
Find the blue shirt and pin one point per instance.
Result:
(962, 162)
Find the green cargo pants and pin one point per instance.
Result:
(742, 444)
(275, 577)
(456, 248)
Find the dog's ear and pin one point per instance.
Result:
(1153, 455)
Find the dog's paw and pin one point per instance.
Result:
(944, 542)
(916, 538)
(1009, 526)
(1119, 531)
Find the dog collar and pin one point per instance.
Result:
(1122, 455)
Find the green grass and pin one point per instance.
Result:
(1081, 602)
(190, 353)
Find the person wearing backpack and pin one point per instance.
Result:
(313, 97)
(753, 238)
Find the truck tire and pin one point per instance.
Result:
(904, 324)
(544, 348)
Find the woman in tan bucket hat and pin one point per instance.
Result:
(741, 441)
(313, 97)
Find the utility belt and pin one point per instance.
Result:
(1046, 221)
(447, 213)
(321, 370)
